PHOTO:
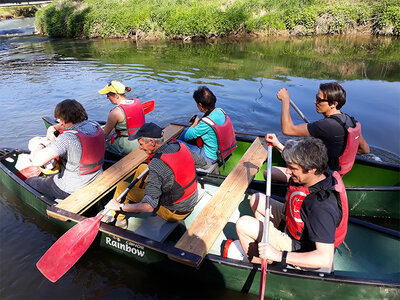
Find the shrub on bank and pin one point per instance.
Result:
(208, 18)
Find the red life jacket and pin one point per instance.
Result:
(294, 200)
(134, 116)
(352, 138)
(225, 136)
(93, 149)
(183, 167)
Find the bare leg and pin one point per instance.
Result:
(278, 174)
(248, 230)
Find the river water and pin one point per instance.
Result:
(245, 75)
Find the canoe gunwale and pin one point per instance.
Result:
(20, 182)
(277, 269)
(131, 236)
(348, 188)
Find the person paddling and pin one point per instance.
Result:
(340, 133)
(304, 231)
(124, 119)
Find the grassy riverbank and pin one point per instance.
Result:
(154, 19)
(18, 11)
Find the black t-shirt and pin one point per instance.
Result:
(321, 215)
(333, 135)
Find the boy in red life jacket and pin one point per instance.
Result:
(170, 189)
(340, 133)
(305, 231)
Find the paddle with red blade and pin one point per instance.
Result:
(266, 221)
(66, 251)
(148, 106)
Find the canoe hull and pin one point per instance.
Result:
(215, 270)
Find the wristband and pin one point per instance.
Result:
(121, 206)
(284, 255)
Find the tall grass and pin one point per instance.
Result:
(208, 18)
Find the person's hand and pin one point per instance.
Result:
(51, 133)
(272, 139)
(269, 253)
(113, 205)
(195, 122)
(283, 95)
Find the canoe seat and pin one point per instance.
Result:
(152, 226)
(213, 168)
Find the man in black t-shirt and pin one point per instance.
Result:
(329, 100)
(314, 217)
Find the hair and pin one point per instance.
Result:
(158, 141)
(206, 98)
(70, 111)
(308, 152)
(333, 92)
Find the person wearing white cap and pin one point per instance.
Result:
(123, 120)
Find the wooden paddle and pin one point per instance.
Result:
(298, 111)
(66, 251)
(266, 221)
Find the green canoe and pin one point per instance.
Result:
(367, 267)
(372, 186)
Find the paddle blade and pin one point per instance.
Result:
(263, 278)
(66, 251)
(148, 106)
(28, 172)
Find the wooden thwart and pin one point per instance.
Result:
(204, 231)
(82, 199)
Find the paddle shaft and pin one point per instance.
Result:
(298, 111)
(266, 221)
(128, 188)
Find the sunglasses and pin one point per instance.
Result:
(319, 100)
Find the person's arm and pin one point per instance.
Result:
(114, 117)
(129, 207)
(199, 130)
(42, 155)
(363, 147)
(288, 127)
(321, 257)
